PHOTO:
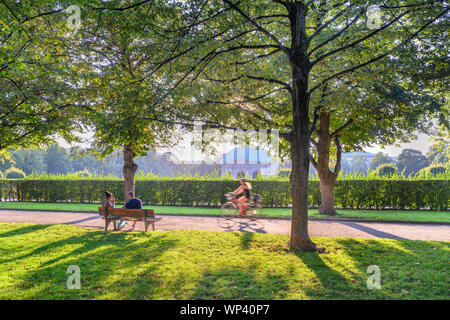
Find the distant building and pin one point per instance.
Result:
(248, 160)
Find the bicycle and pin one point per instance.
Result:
(230, 209)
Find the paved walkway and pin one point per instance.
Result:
(281, 226)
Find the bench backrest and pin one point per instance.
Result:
(132, 213)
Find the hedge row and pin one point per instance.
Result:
(359, 194)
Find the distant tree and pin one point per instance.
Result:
(153, 162)
(346, 166)
(359, 163)
(57, 160)
(379, 159)
(33, 161)
(112, 164)
(437, 156)
(27, 160)
(411, 161)
(86, 162)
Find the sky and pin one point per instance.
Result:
(423, 143)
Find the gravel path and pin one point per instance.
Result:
(281, 226)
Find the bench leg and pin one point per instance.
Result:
(146, 225)
(153, 226)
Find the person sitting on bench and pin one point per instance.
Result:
(109, 204)
(133, 203)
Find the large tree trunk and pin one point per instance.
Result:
(129, 169)
(326, 176)
(327, 192)
(300, 67)
(299, 190)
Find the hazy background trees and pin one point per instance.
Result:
(58, 160)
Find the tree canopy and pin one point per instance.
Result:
(136, 68)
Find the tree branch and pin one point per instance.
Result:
(336, 133)
(258, 26)
(337, 167)
(313, 162)
(354, 43)
(378, 57)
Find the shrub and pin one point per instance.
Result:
(284, 173)
(387, 169)
(14, 173)
(1, 175)
(82, 173)
(435, 169)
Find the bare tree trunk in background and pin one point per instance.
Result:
(129, 169)
(326, 176)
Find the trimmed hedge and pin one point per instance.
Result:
(358, 194)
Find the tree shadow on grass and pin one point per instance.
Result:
(395, 258)
(409, 269)
(240, 283)
(246, 238)
(23, 230)
(333, 284)
(119, 266)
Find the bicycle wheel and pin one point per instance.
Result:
(228, 210)
(255, 213)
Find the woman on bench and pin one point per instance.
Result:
(109, 204)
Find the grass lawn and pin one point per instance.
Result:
(377, 215)
(192, 264)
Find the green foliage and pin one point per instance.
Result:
(83, 173)
(366, 192)
(359, 163)
(284, 173)
(35, 78)
(411, 161)
(437, 155)
(387, 169)
(14, 173)
(436, 169)
(379, 159)
(1, 175)
(57, 160)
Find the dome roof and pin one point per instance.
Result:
(247, 154)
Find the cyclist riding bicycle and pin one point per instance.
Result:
(244, 188)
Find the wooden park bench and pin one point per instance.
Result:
(146, 215)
